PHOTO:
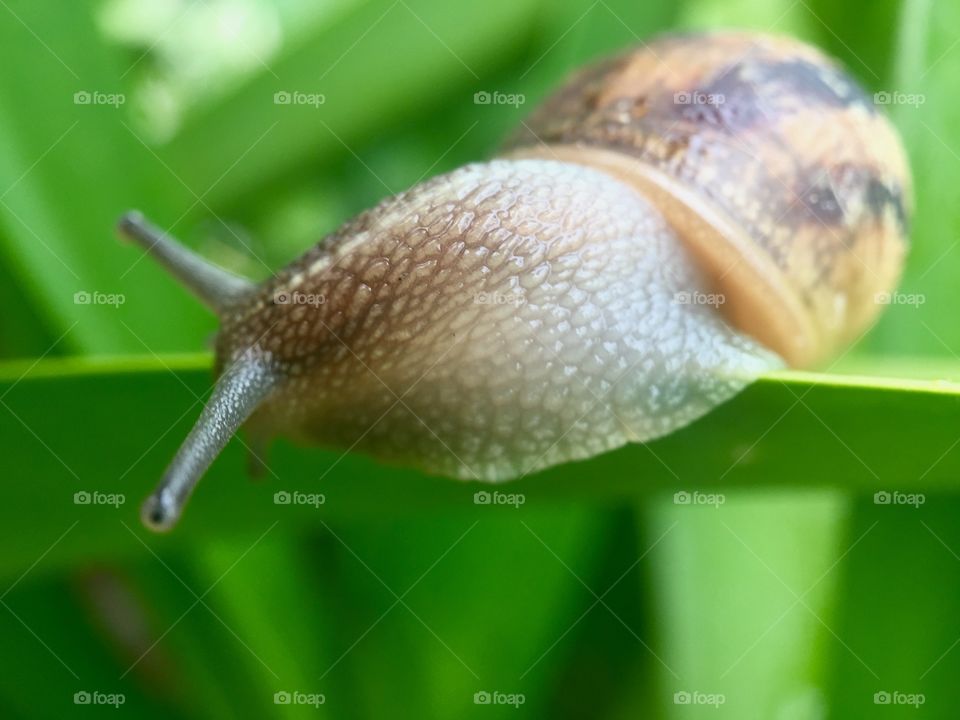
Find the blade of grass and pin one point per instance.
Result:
(68, 168)
(112, 426)
(744, 588)
(897, 609)
(378, 64)
(926, 109)
(487, 594)
(51, 651)
(274, 607)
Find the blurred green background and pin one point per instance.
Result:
(796, 597)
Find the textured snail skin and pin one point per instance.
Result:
(670, 224)
(494, 321)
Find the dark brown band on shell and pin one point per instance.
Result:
(774, 136)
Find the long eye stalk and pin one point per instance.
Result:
(238, 392)
(217, 288)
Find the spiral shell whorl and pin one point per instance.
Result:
(778, 147)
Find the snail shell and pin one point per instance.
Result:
(779, 173)
(667, 226)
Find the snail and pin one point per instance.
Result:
(671, 223)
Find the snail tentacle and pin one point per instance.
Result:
(238, 392)
(215, 287)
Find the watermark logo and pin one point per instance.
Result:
(895, 697)
(95, 497)
(282, 497)
(295, 97)
(286, 297)
(684, 497)
(95, 697)
(95, 97)
(885, 497)
(498, 298)
(495, 697)
(485, 497)
(698, 98)
(295, 697)
(899, 298)
(895, 97)
(496, 97)
(83, 297)
(695, 697)
(699, 298)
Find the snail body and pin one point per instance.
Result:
(628, 263)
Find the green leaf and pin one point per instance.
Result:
(112, 426)
(926, 65)
(744, 584)
(484, 596)
(779, 16)
(375, 66)
(899, 589)
(279, 634)
(70, 168)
